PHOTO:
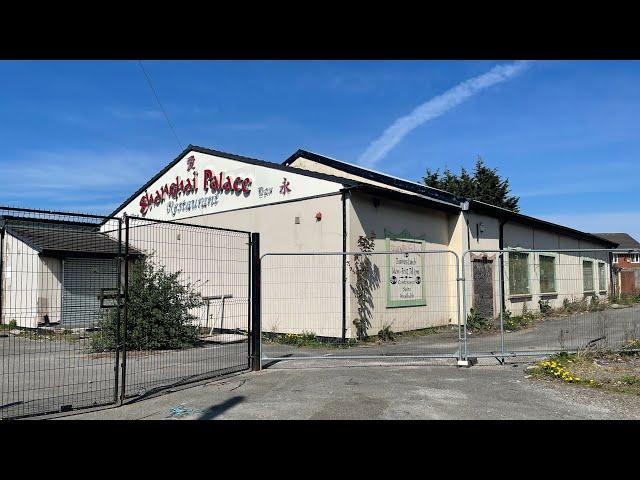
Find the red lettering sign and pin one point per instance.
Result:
(210, 181)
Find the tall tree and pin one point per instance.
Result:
(485, 185)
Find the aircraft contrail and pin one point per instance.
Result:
(435, 107)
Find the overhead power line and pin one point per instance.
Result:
(160, 104)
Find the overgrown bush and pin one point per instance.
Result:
(475, 321)
(386, 334)
(545, 307)
(573, 306)
(595, 305)
(158, 312)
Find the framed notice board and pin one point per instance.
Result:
(405, 271)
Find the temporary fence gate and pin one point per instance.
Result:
(427, 304)
(213, 262)
(354, 305)
(524, 302)
(88, 308)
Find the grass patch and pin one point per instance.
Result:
(603, 369)
(304, 339)
(311, 340)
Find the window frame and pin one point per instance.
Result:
(528, 269)
(602, 277)
(593, 276)
(554, 256)
(634, 258)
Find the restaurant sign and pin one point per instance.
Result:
(204, 183)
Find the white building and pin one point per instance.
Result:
(312, 203)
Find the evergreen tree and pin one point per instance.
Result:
(485, 185)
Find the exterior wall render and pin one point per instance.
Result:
(20, 289)
(49, 301)
(436, 230)
(295, 289)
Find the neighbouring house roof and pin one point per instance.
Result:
(624, 240)
(64, 239)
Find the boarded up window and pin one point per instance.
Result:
(547, 274)
(587, 275)
(602, 277)
(518, 273)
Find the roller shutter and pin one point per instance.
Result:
(83, 280)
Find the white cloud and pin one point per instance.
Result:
(133, 114)
(436, 107)
(72, 175)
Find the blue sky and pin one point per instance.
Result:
(84, 135)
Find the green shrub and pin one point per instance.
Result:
(595, 305)
(545, 307)
(386, 334)
(158, 312)
(475, 321)
(573, 306)
(12, 324)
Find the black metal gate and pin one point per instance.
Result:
(208, 269)
(95, 310)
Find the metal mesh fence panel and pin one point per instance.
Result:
(527, 302)
(187, 304)
(59, 275)
(394, 304)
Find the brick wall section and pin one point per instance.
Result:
(624, 262)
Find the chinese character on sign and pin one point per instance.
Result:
(284, 188)
(191, 163)
(264, 192)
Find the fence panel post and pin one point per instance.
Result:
(1, 267)
(125, 310)
(256, 333)
(119, 307)
(463, 277)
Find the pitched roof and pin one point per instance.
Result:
(442, 196)
(64, 239)
(238, 158)
(624, 240)
(376, 176)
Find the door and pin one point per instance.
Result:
(628, 282)
(483, 287)
(84, 279)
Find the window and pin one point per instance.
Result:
(635, 258)
(587, 275)
(602, 277)
(615, 258)
(547, 274)
(518, 273)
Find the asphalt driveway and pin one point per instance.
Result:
(379, 391)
